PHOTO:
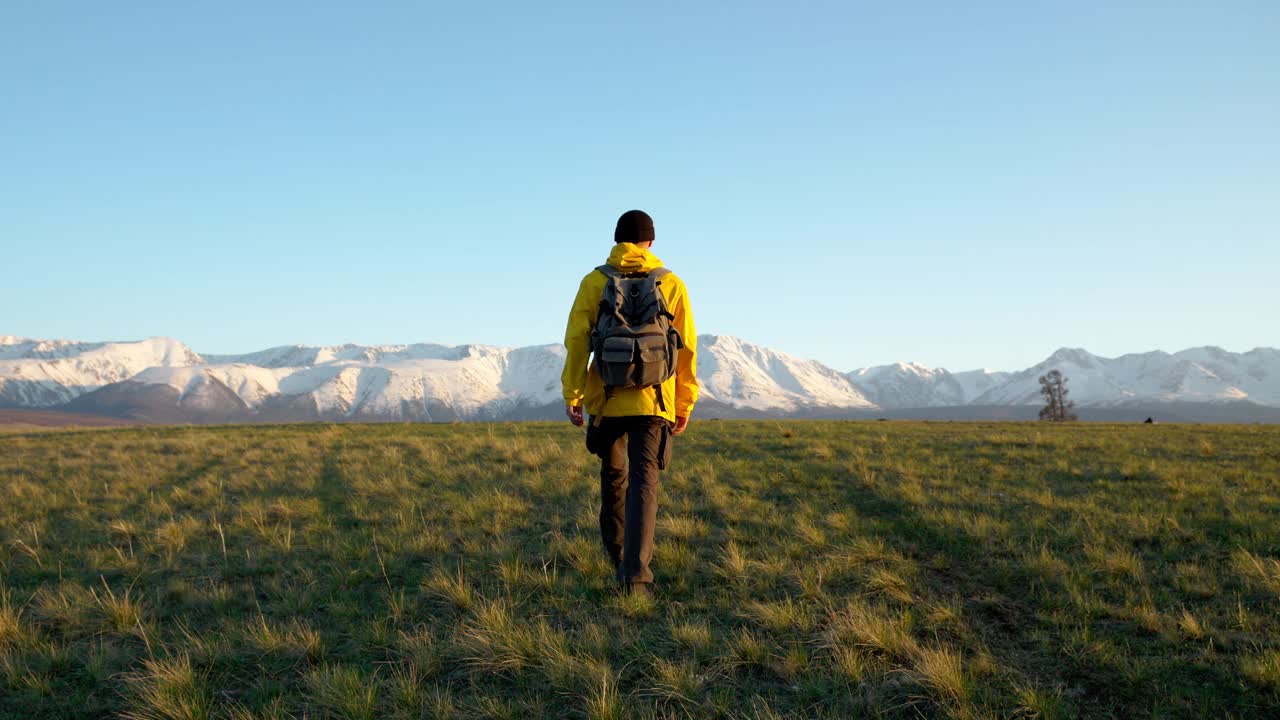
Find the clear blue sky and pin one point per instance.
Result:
(960, 184)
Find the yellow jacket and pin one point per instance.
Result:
(580, 381)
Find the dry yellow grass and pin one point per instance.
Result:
(805, 569)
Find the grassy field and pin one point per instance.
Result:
(804, 569)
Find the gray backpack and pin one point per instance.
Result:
(633, 342)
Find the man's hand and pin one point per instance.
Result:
(681, 424)
(575, 414)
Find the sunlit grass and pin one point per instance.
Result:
(804, 569)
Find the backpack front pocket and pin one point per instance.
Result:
(654, 365)
(617, 361)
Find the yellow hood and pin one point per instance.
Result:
(629, 257)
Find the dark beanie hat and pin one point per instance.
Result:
(635, 226)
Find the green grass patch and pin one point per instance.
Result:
(804, 569)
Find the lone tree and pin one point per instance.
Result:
(1057, 408)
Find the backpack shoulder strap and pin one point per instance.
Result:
(610, 300)
(655, 276)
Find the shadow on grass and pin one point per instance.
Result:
(1003, 604)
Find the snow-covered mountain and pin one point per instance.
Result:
(911, 385)
(1206, 374)
(743, 375)
(404, 382)
(1198, 375)
(44, 373)
(163, 380)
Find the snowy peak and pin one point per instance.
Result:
(1206, 374)
(18, 348)
(308, 356)
(43, 373)
(387, 382)
(158, 350)
(911, 385)
(1071, 357)
(915, 369)
(741, 374)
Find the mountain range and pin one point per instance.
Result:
(163, 380)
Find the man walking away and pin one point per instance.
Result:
(631, 364)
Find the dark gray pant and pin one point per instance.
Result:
(630, 449)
